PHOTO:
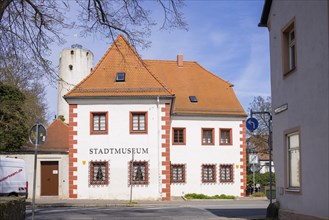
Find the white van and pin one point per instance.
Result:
(12, 177)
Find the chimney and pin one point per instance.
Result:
(180, 60)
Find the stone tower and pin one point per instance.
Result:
(75, 64)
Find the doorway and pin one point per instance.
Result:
(49, 178)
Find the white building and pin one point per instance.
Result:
(151, 129)
(299, 42)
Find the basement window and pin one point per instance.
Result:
(121, 77)
(193, 99)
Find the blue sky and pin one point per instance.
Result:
(222, 36)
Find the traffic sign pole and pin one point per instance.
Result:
(35, 168)
(269, 143)
(37, 131)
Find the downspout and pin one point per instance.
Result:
(159, 147)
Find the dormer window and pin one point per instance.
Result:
(193, 99)
(121, 77)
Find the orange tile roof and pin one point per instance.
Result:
(159, 78)
(214, 95)
(57, 138)
(120, 57)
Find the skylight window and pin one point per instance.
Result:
(121, 77)
(193, 98)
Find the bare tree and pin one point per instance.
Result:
(29, 27)
(259, 137)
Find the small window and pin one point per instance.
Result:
(98, 173)
(121, 77)
(207, 136)
(138, 122)
(72, 52)
(226, 173)
(289, 48)
(138, 173)
(177, 173)
(71, 67)
(193, 99)
(98, 123)
(225, 136)
(179, 136)
(208, 173)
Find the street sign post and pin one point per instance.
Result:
(37, 136)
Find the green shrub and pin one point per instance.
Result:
(202, 196)
(258, 194)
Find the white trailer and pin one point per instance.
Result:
(13, 180)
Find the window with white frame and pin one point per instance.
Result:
(293, 156)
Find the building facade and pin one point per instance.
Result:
(52, 171)
(299, 42)
(150, 129)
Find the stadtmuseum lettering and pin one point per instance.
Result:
(119, 150)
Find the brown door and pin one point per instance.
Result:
(49, 178)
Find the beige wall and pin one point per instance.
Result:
(305, 91)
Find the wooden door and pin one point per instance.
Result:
(49, 178)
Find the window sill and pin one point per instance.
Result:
(138, 132)
(98, 133)
(293, 190)
(289, 72)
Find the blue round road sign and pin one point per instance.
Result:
(252, 124)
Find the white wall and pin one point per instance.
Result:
(194, 154)
(306, 93)
(118, 137)
(62, 174)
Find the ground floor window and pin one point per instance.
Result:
(293, 168)
(208, 173)
(177, 173)
(138, 172)
(98, 173)
(226, 173)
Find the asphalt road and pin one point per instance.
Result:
(219, 210)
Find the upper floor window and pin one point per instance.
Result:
(226, 173)
(98, 173)
(138, 172)
(293, 157)
(179, 136)
(289, 48)
(207, 136)
(138, 122)
(98, 123)
(225, 136)
(177, 173)
(208, 173)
